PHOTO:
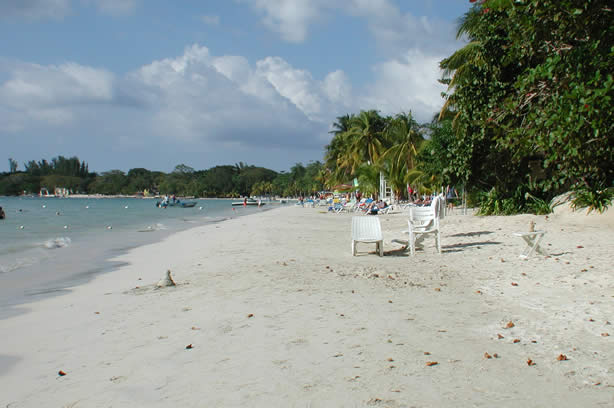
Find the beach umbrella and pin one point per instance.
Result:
(342, 188)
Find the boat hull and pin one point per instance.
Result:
(249, 203)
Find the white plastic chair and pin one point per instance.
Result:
(424, 221)
(532, 241)
(369, 230)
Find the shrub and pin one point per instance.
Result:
(595, 199)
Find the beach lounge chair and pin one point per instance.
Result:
(369, 230)
(423, 221)
(532, 240)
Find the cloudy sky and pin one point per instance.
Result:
(156, 83)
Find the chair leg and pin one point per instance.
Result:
(353, 248)
(532, 246)
(538, 247)
(412, 244)
(438, 238)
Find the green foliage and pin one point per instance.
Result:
(593, 199)
(537, 205)
(531, 98)
(492, 204)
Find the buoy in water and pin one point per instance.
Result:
(65, 226)
(109, 227)
(126, 207)
(21, 227)
(44, 206)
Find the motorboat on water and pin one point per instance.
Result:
(247, 201)
(177, 203)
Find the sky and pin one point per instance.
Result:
(123, 84)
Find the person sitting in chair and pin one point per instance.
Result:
(375, 206)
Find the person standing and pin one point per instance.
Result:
(2, 215)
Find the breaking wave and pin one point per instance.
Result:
(60, 242)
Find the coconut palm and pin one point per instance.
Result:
(366, 137)
(457, 67)
(405, 137)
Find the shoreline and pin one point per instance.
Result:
(278, 293)
(72, 266)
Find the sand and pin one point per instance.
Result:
(273, 310)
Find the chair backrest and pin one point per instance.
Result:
(440, 202)
(423, 216)
(366, 228)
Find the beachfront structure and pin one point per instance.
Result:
(385, 191)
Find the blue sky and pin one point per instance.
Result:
(156, 83)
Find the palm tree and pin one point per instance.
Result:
(404, 134)
(456, 68)
(367, 137)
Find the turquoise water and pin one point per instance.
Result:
(48, 244)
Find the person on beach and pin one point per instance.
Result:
(245, 202)
(375, 206)
(2, 215)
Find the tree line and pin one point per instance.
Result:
(220, 181)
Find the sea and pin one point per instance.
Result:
(50, 244)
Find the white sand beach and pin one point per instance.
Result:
(278, 313)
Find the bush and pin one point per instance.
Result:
(594, 199)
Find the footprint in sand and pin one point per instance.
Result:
(118, 379)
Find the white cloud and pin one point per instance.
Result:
(290, 18)
(408, 83)
(48, 93)
(175, 107)
(406, 79)
(337, 88)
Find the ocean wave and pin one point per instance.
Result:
(20, 263)
(155, 227)
(60, 242)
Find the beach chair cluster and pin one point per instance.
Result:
(364, 207)
(423, 221)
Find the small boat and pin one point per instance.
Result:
(178, 203)
(249, 201)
